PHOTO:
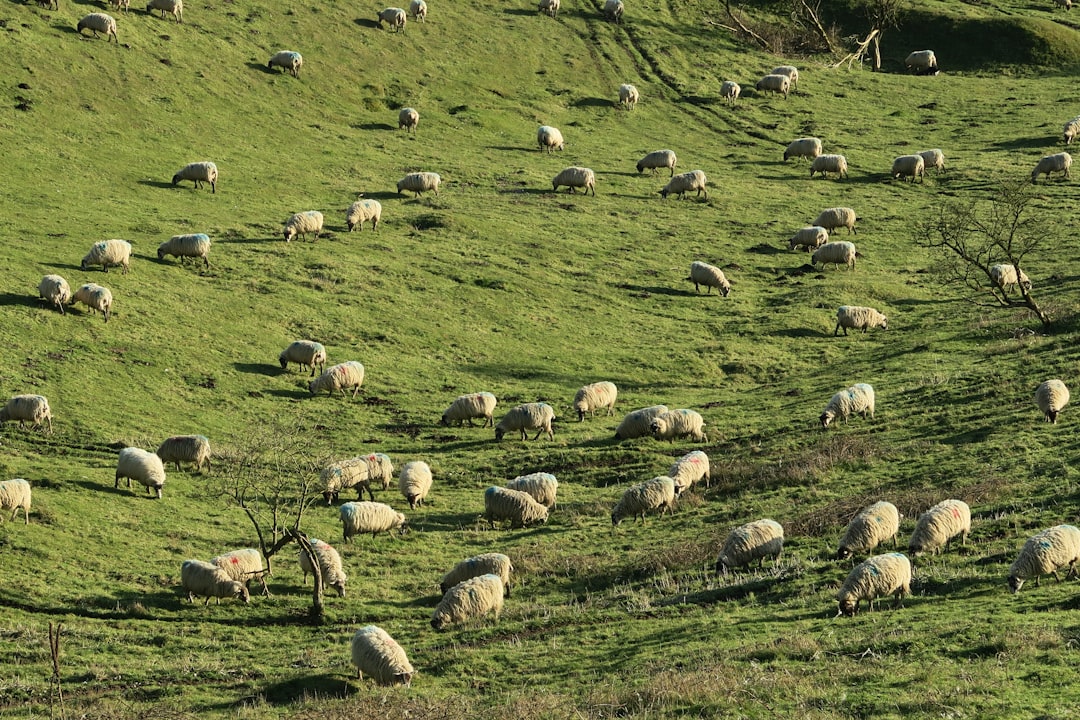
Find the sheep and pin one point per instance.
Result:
(1067, 4)
(420, 182)
(690, 469)
(358, 472)
(939, 525)
(473, 405)
(418, 10)
(176, 7)
(881, 575)
(202, 578)
(858, 317)
(196, 245)
(109, 253)
(730, 90)
(344, 375)
(685, 182)
(702, 273)
(807, 147)
(549, 138)
(329, 566)
(1004, 276)
(922, 62)
(655, 494)
(361, 211)
(638, 423)
(809, 238)
(872, 526)
(548, 7)
(370, 517)
(414, 482)
(1071, 130)
(145, 467)
(933, 159)
(1045, 553)
(99, 22)
(575, 177)
(373, 651)
(95, 297)
(530, 416)
(243, 566)
(302, 223)
(514, 505)
(595, 396)
(49, 4)
(837, 217)
(472, 598)
(306, 354)
(408, 118)
(289, 61)
(835, 252)
(55, 290)
(791, 72)
(678, 423)
(121, 5)
(540, 486)
(755, 540)
(27, 408)
(628, 94)
(1058, 162)
(485, 564)
(203, 171)
(658, 159)
(856, 400)
(613, 10)
(909, 166)
(15, 494)
(826, 164)
(1051, 396)
(774, 83)
(394, 19)
(185, 448)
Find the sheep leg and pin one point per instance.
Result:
(1056, 576)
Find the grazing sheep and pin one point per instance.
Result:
(1051, 396)
(826, 164)
(809, 238)
(755, 540)
(374, 652)
(289, 61)
(1045, 553)
(242, 565)
(339, 377)
(394, 19)
(55, 290)
(472, 598)
(361, 211)
(302, 223)
(198, 172)
(514, 505)
(414, 482)
(99, 22)
(837, 217)
(145, 467)
(774, 83)
(791, 72)
(203, 579)
(418, 10)
(690, 469)
(530, 416)
(185, 448)
(613, 11)
(196, 245)
(939, 525)
(370, 517)
(176, 7)
(549, 138)
(329, 566)
(420, 182)
(121, 5)
(1071, 130)
(306, 354)
(921, 61)
(1058, 162)
(485, 564)
(628, 94)
(858, 317)
(855, 400)
(655, 494)
(15, 494)
(548, 7)
(685, 182)
(836, 252)
(33, 409)
(658, 159)
(729, 90)
(467, 407)
(807, 147)
(1067, 4)
(881, 575)
(540, 486)
(108, 253)
(358, 472)
(595, 396)
(1004, 276)
(95, 297)
(638, 423)
(909, 166)
(872, 526)
(933, 159)
(49, 4)
(679, 423)
(575, 177)
(407, 117)
(702, 273)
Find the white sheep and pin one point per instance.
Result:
(203, 171)
(514, 505)
(49, 4)
(145, 467)
(872, 526)
(658, 159)
(55, 290)
(1058, 162)
(374, 652)
(679, 423)
(33, 409)
(858, 399)
(408, 118)
(755, 540)
(15, 494)
(203, 579)
(243, 566)
(938, 526)
(909, 166)
(418, 10)
(837, 217)
(329, 566)
(685, 182)
(628, 94)
(176, 7)
(541, 486)
(196, 245)
(420, 182)
(826, 164)
(302, 223)
(306, 354)
(414, 482)
(1067, 4)
(881, 575)
(791, 72)
(637, 500)
(774, 83)
(836, 252)
(595, 396)
(120, 5)
(341, 377)
(394, 18)
(549, 138)
(1004, 276)
(361, 211)
(702, 273)
(1051, 396)
(690, 469)
(921, 61)
(933, 159)
(529, 416)
(99, 22)
(485, 564)
(806, 147)
(95, 297)
(638, 423)
(858, 317)
(548, 7)
(1045, 553)
(359, 472)
(730, 90)
(473, 405)
(613, 10)
(370, 517)
(1071, 130)
(108, 253)
(289, 61)
(809, 238)
(575, 177)
(185, 448)
(472, 598)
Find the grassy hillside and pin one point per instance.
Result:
(498, 284)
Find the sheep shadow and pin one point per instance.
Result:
(520, 12)
(296, 690)
(103, 487)
(370, 24)
(511, 148)
(1021, 143)
(158, 184)
(12, 299)
(655, 290)
(593, 102)
(800, 332)
(766, 249)
(290, 394)
(385, 195)
(525, 191)
(260, 369)
(249, 240)
(374, 126)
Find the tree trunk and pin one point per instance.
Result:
(877, 53)
(317, 611)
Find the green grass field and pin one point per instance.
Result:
(498, 284)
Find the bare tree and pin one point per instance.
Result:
(881, 15)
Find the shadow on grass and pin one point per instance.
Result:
(249, 240)
(158, 184)
(800, 332)
(1046, 141)
(260, 369)
(386, 195)
(104, 487)
(289, 394)
(520, 11)
(594, 102)
(511, 148)
(261, 67)
(298, 689)
(644, 291)
(374, 126)
(370, 24)
(10, 299)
